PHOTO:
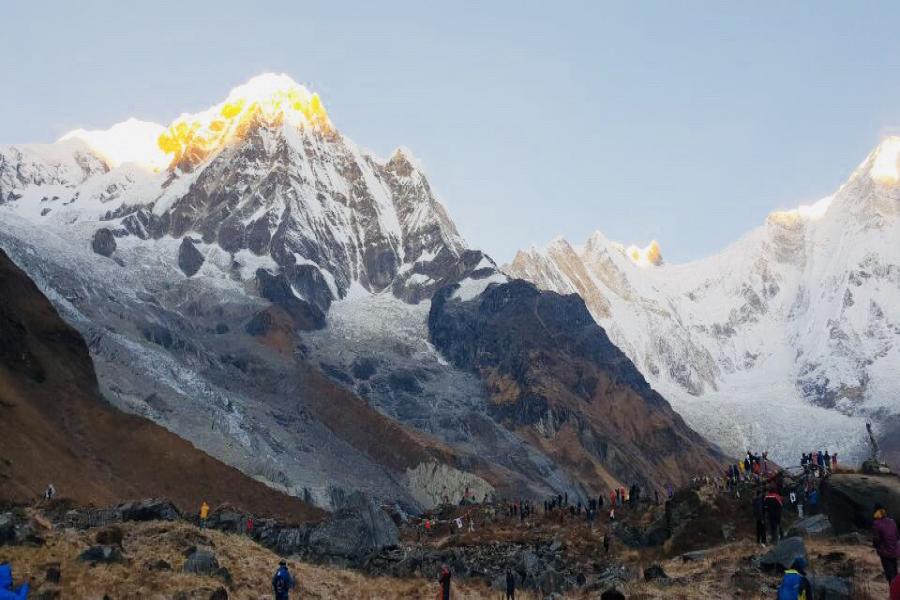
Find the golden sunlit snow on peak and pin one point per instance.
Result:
(886, 161)
(130, 141)
(269, 96)
(651, 255)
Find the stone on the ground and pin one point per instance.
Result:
(354, 532)
(695, 556)
(654, 572)
(612, 595)
(104, 242)
(110, 536)
(783, 554)
(202, 561)
(101, 554)
(814, 526)
(220, 594)
(52, 574)
(829, 587)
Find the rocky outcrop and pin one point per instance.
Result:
(552, 374)
(104, 242)
(189, 258)
(815, 526)
(279, 291)
(434, 483)
(849, 499)
(783, 555)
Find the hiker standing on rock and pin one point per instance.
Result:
(204, 513)
(51, 491)
(444, 580)
(886, 541)
(282, 582)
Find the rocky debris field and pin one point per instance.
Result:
(147, 549)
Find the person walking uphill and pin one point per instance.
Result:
(773, 504)
(510, 586)
(886, 539)
(282, 582)
(759, 514)
(795, 585)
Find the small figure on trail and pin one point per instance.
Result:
(886, 541)
(795, 585)
(773, 504)
(606, 543)
(612, 514)
(250, 526)
(50, 492)
(834, 461)
(444, 580)
(282, 582)
(204, 513)
(566, 499)
(510, 586)
(759, 514)
(7, 591)
(670, 490)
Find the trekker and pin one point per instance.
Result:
(895, 588)
(51, 491)
(827, 461)
(510, 586)
(886, 539)
(7, 592)
(250, 526)
(795, 585)
(204, 513)
(759, 513)
(773, 504)
(444, 580)
(282, 582)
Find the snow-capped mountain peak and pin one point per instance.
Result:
(883, 164)
(131, 141)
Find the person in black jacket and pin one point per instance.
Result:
(759, 514)
(510, 586)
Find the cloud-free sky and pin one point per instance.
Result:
(686, 122)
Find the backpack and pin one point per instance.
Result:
(281, 583)
(791, 586)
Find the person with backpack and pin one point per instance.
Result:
(510, 586)
(795, 585)
(204, 513)
(773, 504)
(444, 580)
(7, 592)
(282, 582)
(886, 540)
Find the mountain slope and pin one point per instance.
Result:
(798, 321)
(55, 427)
(264, 292)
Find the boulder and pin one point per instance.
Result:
(189, 258)
(220, 594)
(612, 594)
(848, 499)
(829, 587)
(201, 561)
(654, 572)
(110, 536)
(104, 242)
(7, 528)
(783, 554)
(101, 554)
(359, 529)
(149, 509)
(814, 526)
(696, 555)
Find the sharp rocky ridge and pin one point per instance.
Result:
(251, 279)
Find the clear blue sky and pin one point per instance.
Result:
(681, 121)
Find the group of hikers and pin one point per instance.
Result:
(819, 462)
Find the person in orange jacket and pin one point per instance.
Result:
(204, 513)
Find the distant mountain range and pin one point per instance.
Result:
(307, 312)
(788, 340)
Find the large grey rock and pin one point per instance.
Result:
(814, 526)
(7, 528)
(355, 531)
(783, 554)
(189, 258)
(848, 499)
(104, 242)
(202, 561)
(829, 587)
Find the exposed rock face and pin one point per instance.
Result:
(849, 499)
(104, 243)
(189, 258)
(552, 371)
(434, 483)
(783, 555)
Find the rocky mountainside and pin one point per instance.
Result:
(56, 428)
(797, 322)
(253, 281)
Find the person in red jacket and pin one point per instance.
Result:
(444, 580)
(886, 540)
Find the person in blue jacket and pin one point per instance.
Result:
(282, 582)
(795, 585)
(6, 585)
